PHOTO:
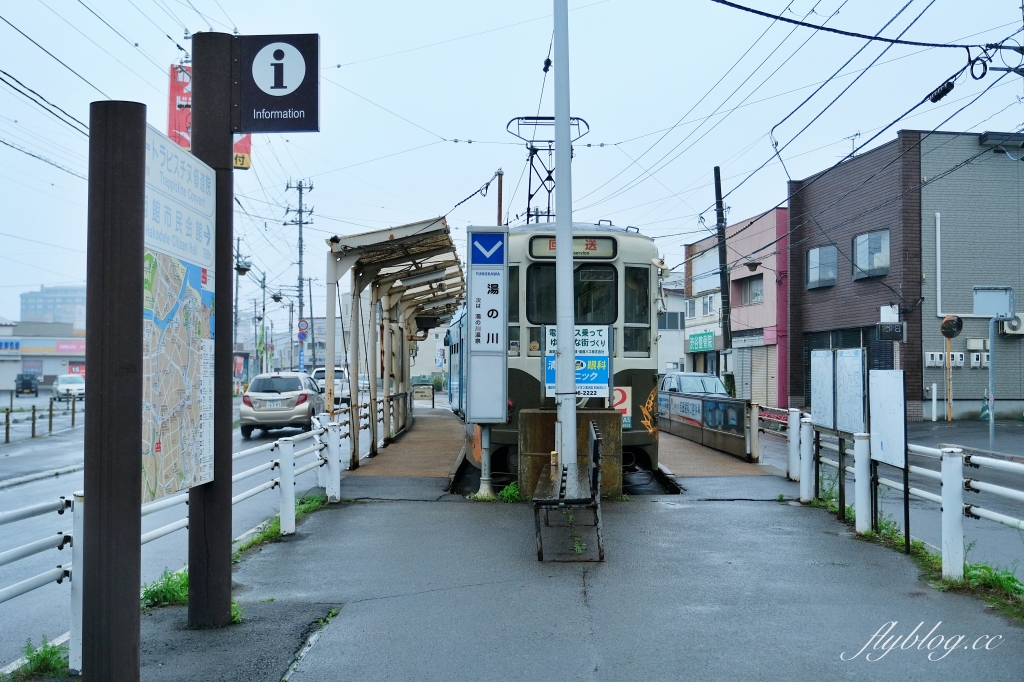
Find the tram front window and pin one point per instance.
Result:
(594, 287)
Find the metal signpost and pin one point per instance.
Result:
(487, 361)
(240, 84)
(951, 326)
(1001, 304)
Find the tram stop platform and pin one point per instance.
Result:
(721, 582)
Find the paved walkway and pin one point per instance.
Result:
(686, 458)
(428, 450)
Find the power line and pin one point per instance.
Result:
(121, 35)
(41, 158)
(36, 241)
(851, 34)
(45, 105)
(166, 35)
(84, 80)
(365, 99)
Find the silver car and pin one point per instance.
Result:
(280, 400)
(68, 386)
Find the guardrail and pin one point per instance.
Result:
(284, 453)
(950, 476)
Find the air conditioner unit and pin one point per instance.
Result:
(1014, 327)
(975, 360)
(956, 359)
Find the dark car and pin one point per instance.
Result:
(25, 384)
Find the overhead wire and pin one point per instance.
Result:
(54, 57)
(42, 158)
(45, 105)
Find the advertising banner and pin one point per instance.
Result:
(592, 360)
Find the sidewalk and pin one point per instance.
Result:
(721, 583)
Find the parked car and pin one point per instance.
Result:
(693, 382)
(68, 386)
(341, 389)
(279, 400)
(364, 382)
(25, 384)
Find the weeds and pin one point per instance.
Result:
(328, 618)
(510, 493)
(781, 497)
(236, 612)
(49, 660)
(304, 506)
(170, 589)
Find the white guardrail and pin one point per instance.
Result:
(284, 456)
(799, 433)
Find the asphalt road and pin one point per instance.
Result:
(46, 611)
(994, 543)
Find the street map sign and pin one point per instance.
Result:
(487, 325)
(593, 360)
(279, 84)
(178, 316)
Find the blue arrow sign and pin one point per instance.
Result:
(487, 249)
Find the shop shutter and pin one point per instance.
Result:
(772, 390)
(741, 372)
(758, 375)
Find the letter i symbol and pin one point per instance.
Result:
(278, 71)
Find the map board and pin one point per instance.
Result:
(823, 388)
(850, 387)
(178, 318)
(888, 417)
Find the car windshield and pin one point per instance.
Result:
(274, 385)
(72, 380)
(319, 374)
(702, 385)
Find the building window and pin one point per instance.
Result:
(707, 304)
(751, 290)
(871, 254)
(821, 267)
(691, 308)
(668, 321)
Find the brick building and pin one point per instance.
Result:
(864, 235)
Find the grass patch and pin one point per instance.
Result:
(170, 589)
(328, 618)
(510, 493)
(48, 660)
(236, 612)
(304, 506)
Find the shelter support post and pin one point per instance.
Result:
(386, 371)
(793, 438)
(371, 363)
(353, 374)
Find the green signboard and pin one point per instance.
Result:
(702, 342)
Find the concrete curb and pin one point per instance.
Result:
(455, 468)
(11, 482)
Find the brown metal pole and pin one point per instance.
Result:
(33, 421)
(7, 427)
(73, 402)
(113, 472)
(214, 77)
(51, 415)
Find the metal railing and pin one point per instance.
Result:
(950, 477)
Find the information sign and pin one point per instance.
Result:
(178, 320)
(592, 360)
(823, 389)
(850, 385)
(279, 84)
(888, 417)
(486, 308)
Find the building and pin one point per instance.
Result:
(55, 304)
(671, 346)
(874, 231)
(46, 349)
(758, 291)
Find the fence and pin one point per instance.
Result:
(283, 455)
(35, 416)
(805, 459)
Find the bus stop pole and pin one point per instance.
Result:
(214, 58)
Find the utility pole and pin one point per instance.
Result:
(263, 322)
(501, 174)
(312, 327)
(302, 187)
(234, 329)
(723, 265)
(291, 328)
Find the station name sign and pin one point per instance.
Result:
(279, 84)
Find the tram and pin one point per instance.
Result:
(616, 281)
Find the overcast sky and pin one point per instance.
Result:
(677, 86)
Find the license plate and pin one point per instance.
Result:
(271, 403)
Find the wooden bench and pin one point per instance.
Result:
(571, 486)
